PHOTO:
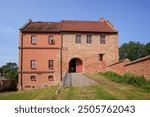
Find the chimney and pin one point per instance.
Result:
(30, 20)
(102, 19)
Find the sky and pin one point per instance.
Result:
(130, 17)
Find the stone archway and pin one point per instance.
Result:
(75, 65)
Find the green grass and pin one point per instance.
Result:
(106, 89)
(128, 78)
(118, 90)
(84, 93)
(43, 94)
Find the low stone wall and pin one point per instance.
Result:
(138, 67)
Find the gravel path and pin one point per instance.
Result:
(79, 79)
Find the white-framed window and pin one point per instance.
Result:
(51, 40)
(50, 64)
(33, 40)
(33, 64)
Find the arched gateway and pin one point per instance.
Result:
(75, 65)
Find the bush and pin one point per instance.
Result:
(113, 76)
(133, 79)
(127, 78)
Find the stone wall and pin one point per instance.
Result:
(89, 53)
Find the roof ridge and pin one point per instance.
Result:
(79, 21)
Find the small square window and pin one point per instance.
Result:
(78, 38)
(33, 40)
(51, 40)
(102, 39)
(33, 64)
(89, 39)
(101, 57)
(50, 63)
(33, 78)
(50, 78)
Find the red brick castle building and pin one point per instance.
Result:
(47, 50)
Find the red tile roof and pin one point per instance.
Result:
(42, 27)
(69, 25)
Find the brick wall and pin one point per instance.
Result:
(118, 67)
(137, 67)
(42, 51)
(88, 53)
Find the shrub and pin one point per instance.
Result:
(133, 79)
(127, 78)
(112, 76)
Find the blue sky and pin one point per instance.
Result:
(130, 17)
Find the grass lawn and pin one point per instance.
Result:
(120, 91)
(40, 94)
(105, 90)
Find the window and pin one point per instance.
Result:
(33, 78)
(78, 38)
(33, 40)
(89, 39)
(51, 63)
(51, 40)
(101, 57)
(33, 64)
(102, 39)
(27, 86)
(50, 78)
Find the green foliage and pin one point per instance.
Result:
(9, 71)
(113, 76)
(134, 50)
(133, 80)
(146, 86)
(147, 49)
(127, 78)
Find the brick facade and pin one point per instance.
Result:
(65, 52)
(139, 67)
(89, 53)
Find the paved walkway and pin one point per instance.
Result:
(79, 79)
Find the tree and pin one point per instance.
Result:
(132, 50)
(10, 71)
(147, 49)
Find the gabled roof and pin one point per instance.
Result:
(87, 26)
(69, 25)
(42, 27)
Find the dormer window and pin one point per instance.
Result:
(51, 40)
(33, 40)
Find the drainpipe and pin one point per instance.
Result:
(61, 56)
(21, 60)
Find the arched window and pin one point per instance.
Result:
(32, 78)
(50, 78)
